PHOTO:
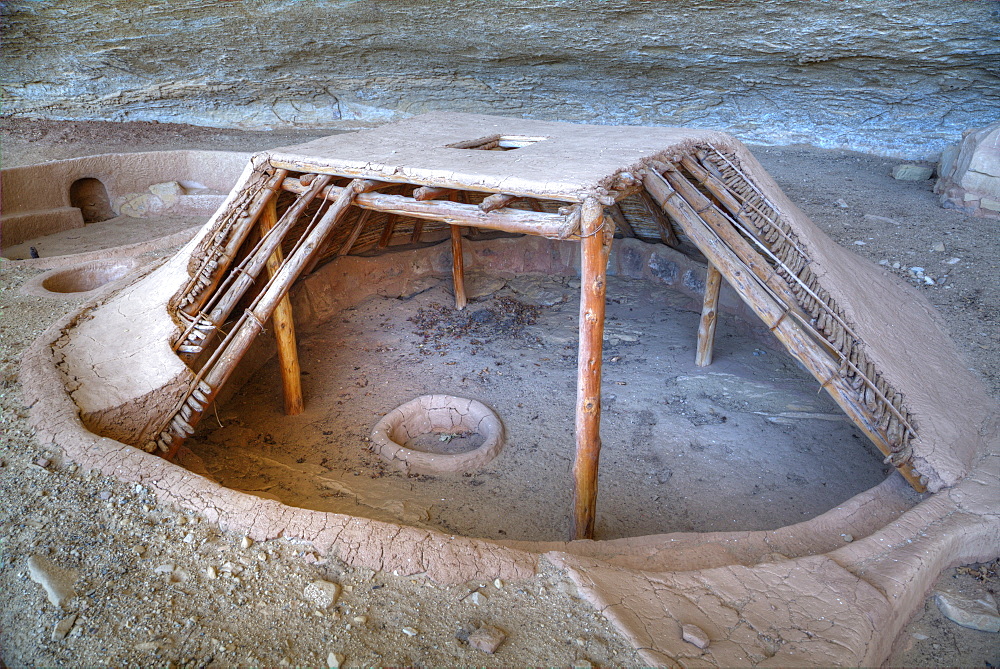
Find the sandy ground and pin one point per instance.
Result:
(145, 592)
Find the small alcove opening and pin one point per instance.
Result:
(91, 197)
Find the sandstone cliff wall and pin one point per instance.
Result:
(893, 77)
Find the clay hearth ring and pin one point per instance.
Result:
(441, 414)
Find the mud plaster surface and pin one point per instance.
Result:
(132, 613)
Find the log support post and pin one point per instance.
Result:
(458, 267)
(284, 326)
(709, 315)
(596, 233)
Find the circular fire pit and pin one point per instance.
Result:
(439, 434)
(81, 280)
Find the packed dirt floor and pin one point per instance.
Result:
(746, 443)
(675, 434)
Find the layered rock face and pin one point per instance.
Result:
(969, 174)
(893, 78)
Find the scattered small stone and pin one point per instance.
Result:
(189, 538)
(952, 261)
(583, 663)
(334, 660)
(536, 291)
(409, 631)
(695, 635)
(896, 265)
(939, 247)
(246, 542)
(848, 538)
(323, 594)
(929, 280)
(920, 637)
(978, 613)
(476, 598)
(42, 462)
(498, 584)
(164, 569)
(487, 638)
(212, 573)
(840, 203)
(917, 271)
(911, 172)
(63, 627)
(884, 262)
(58, 582)
(147, 646)
(361, 620)
(104, 495)
(858, 242)
(262, 557)
(140, 550)
(881, 219)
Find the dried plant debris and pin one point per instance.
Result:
(984, 572)
(502, 318)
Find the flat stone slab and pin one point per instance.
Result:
(974, 612)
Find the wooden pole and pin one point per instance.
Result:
(358, 227)
(497, 201)
(240, 278)
(390, 227)
(458, 267)
(621, 222)
(284, 326)
(221, 365)
(418, 229)
(709, 315)
(596, 233)
(430, 193)
(731, 236)
(553, 226)
(667, 234)
(202, 285)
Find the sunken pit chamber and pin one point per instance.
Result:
(686, 448)
(867, 564)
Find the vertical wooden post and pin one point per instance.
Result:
(458, 267)
(387, 231)
(596, 233)
(709, 315)
(284, 326)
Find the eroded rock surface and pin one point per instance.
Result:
(863, 75)
(969, 173)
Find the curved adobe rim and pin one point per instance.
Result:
(894, 560)
(897, 554)
(437, 414)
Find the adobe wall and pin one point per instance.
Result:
(893, 78)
